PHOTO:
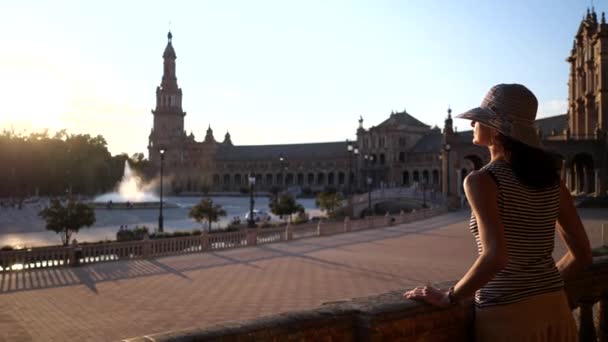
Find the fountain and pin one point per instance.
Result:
(131, 193)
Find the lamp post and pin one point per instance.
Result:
(251, 222)
(356, 154)
(365, 158)
(160, 214)
(282, 162)
(447, 148)
(349, 150)
(368, 158)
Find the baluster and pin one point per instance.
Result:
(586, 330)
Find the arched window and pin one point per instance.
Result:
(406, 178)
(320, 178)
(289, 179)
(279, 178)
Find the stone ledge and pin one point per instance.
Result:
(381, 317)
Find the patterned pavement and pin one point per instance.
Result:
(117, 300)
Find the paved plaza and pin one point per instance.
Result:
(117, 300)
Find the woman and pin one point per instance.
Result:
(515, 201)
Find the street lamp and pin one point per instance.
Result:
(349, 150)
(368, 158)
(283, 167)
(251, 222)
(365, 159)
(447, 148)
(356, 153)
(160, 215)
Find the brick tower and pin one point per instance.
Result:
(168, 127)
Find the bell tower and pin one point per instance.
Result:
(168, 127)
(588, 81)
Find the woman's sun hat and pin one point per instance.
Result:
(511, 110)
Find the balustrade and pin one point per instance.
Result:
(269, 235)
(219, 241)
(73, 255)
(388, 317)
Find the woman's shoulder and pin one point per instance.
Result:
(480, 179)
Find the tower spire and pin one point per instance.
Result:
(168, 124)
(447, 127)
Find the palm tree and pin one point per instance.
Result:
(206, 210)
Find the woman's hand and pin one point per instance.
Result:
(429, 294)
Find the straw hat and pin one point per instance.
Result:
(511, 110)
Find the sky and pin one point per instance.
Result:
(275, 72)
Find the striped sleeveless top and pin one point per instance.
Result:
(528, 216)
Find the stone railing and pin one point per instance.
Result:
(74, 255)
(388, 317)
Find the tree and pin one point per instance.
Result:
(329, 201)
(67, 219)
(285, 205)
(206, 210)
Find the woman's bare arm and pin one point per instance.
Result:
(573, 234)
(482, 193)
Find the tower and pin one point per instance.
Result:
(588, 80)
(168, 127)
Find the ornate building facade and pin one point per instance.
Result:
(400, 151)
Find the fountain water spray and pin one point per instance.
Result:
(130, 189)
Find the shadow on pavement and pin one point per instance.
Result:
(91, 275)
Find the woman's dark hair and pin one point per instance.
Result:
(532, 166)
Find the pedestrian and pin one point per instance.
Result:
(516, 200)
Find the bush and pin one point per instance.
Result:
(125, 235)
(134, 234)
(100, 242)
(166, 235)
(7, 248)
(139, 232)
(225, 230)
